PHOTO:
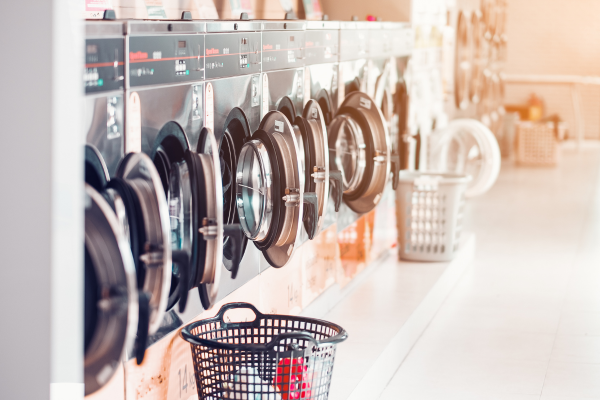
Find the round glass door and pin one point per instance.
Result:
(253, 196)
(350, 157)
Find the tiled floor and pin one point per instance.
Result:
(523, 323)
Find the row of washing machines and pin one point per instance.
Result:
(203, 136)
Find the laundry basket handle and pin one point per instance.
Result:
(291, 335)
(235, 306)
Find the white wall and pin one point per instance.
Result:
(556, 37)
(41, 202)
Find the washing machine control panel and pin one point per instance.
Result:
(165, 59)
(104, 64)
(354, 40)
(403, 41)
(283, 49)
(232, 54)
(322, 46)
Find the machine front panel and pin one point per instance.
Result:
(185, 108)
(282, 49)
(289, 82)
(242, 92)
(354, 44)
(322, 46)
(104, 65)
(232, 54)
(104, 123)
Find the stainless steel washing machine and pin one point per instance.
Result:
(117, 309)
(323, 79)
(285, 89)
(358, 134)
(166, 103)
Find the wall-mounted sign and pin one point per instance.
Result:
(312, 9)
(155, 9)
(94, 9)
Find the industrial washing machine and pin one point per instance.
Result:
(127, 273)
(168, 122)
(322, 77)
(285, 89)
(359, 142)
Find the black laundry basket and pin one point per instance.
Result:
(274, 357)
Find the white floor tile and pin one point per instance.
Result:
(572, 379)
(576, 348)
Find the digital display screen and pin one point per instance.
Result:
(92, 49)
(181, 44)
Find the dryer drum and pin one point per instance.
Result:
(359, 147)
(111, 297)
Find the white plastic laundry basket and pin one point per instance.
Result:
(429, 208)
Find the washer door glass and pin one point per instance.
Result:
(180, 207)
(350, 156)
(253, 193)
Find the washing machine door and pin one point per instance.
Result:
(311, 134)
(96, 171)
(236, 132)
(359, 148)
(467, 146)
(111, 297)
(270, 189)
(385, 102)
(137, 189)
(194, 194)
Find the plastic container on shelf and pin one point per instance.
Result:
(273, 357)
(536, 144)
(429, 208)
(467, 146)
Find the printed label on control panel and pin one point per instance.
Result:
(265, 95)
(209, 116)
(133, 138)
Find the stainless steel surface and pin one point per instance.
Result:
(288, 82)
(140, 28)
(233, 26)
(180, 103)
(238, 91)
(104, 121)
